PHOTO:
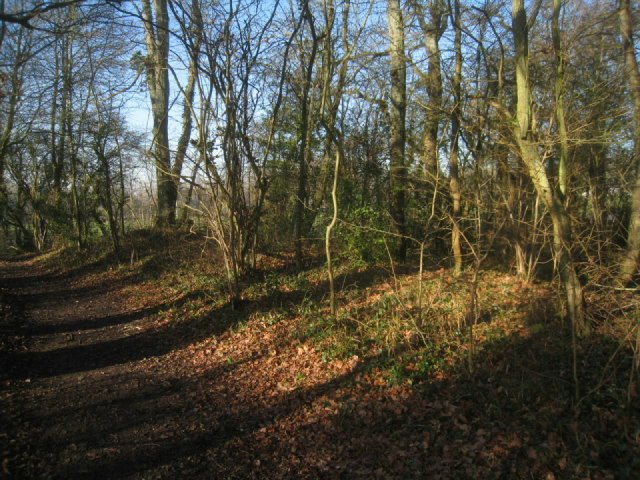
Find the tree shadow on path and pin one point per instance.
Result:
(123, 406)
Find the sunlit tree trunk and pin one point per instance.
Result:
(456, 114)
(195, 40)
(334, 219)
(15, 92)
(331, 99)
(397, 115)
(328, 118)
(629, 264)
(559, 106)
(157, 68)
(184, 214)
(529, 152)
(432, 30)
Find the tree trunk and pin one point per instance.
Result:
(184, 214)
(397, 115)
(432, 32)
(67, 146)
(304, 140)
(99, 150)
(629, 264)
(157, 66)
(334, 219)
(189, 93)
(558, 90)
(58, 167)
(76, 201)
(5, 137)
(456, 113)
(529, 152)
(123, 198)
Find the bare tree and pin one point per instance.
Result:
(629, 264)
(433, 27)
(306, 99)
(156, 28)
(397, 115)
(523, 133)
(456, 114)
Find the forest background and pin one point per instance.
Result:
(416, 135)
(455, 128)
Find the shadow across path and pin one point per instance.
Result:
(113, 396)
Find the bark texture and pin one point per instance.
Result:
(629, 265)
(157, 68)
(456, 114)
(397, 115)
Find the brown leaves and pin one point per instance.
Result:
(238, 394)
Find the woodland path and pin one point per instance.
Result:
(109, 375)
(84, 391)
(96, 383)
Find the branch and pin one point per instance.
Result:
(25, 16)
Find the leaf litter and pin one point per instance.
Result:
(156, 376)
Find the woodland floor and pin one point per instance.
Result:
(97, 381)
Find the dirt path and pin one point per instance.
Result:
(94, 385)
(83, 394)
(103, 377)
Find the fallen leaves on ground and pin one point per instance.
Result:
(187, 385)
